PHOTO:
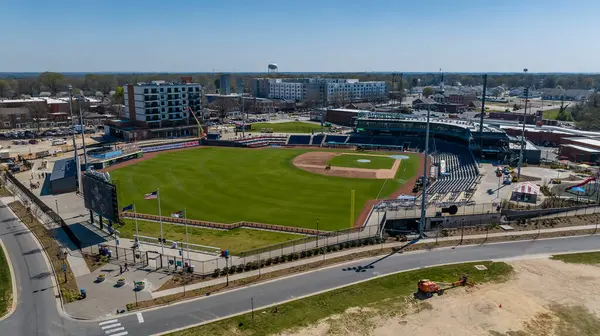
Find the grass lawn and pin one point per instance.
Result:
(386, 294)
(235, 184)
(236, 240)
(550, 114)
(351, 161)
(288, 127)
(5, 285)
(589, 258)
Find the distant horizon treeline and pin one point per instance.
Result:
(16, 84)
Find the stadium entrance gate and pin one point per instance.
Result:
(154, 259)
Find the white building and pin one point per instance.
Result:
(160, 102)
(326, 89)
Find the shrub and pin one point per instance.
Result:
(335, 248)
(275, 260)
(231, 270)
(254, 265)
(269, 261)
(216, 272)
(296, 256)
(290, 257)
(316, 251)
(282, 259)
(309, 253)
(303, 254)
(262, 263)
(225, 270)
(353, 243)
(240, 268)
(248, 266)
(328, 248)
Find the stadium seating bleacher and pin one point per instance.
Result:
(299, 140)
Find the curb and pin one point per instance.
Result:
(13, 279)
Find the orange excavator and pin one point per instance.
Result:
(428, 288)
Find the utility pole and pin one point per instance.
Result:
(424, 178)
(523, 131)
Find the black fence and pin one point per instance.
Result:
(45, 208)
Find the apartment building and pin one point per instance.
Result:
(323, 90)
(159, 104)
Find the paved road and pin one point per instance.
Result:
(37, 313)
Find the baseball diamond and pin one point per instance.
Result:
(261, 185)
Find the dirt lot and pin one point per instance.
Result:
(544, 297)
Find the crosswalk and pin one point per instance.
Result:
(113, 328)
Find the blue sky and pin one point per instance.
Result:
(307, 35)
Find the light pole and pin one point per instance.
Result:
(424, 178)
(523, 130)
(82, 137)
(74, 143)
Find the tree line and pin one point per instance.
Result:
(54, 82)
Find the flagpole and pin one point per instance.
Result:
(187, 242)
(162, 246)
(137, 233)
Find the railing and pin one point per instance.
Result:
(210, 250)
(221, 226)
(44, 208)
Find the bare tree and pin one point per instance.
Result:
(27, 86)
(223, 106)
(37, 111)
(4, 88)
(52, 81)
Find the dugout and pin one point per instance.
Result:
(63, 178)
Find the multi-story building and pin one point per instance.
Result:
(163, 106)
(225, 84)
(20, 113)
(321, 90)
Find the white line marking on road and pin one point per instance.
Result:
(120, 334)
(110, 331)
(107, 322)
(111, 326)
(140, 318)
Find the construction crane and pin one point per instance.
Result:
(428, 288)
(189, 109)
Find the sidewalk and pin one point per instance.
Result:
(332, 255)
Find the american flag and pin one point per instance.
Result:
(151, 196)
(178, 214)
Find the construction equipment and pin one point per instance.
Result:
(428, 288)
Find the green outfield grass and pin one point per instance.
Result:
(236, 240)
(288, 127)
(236, 184)
(351, 161)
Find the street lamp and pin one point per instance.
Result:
(424, 178)
(79, 184)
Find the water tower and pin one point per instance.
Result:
(272, 67)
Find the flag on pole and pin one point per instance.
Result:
(151, 196)
(178, 214)
(127, 208)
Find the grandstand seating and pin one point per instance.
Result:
(299, 139)
(317, 140)
(336, 138)
(359, 140)
(461, 175)
(264, 140)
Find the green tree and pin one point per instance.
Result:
(119, 96)
(589, 114)
(52, 81)
(427, 91)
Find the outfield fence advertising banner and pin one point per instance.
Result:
(164, 147)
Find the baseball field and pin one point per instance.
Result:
(261, 185)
